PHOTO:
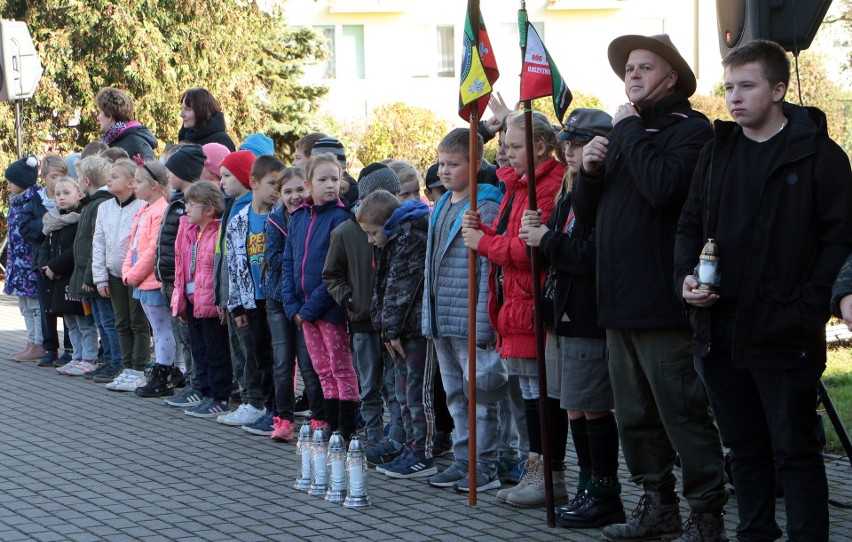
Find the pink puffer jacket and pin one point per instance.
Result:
(203, 305)
(147, 224)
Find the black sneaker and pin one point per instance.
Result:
(99, 370)
(442, 444)
(160, 383)
(382, 452)
(302, 408)
(47, 359)
(108, 373)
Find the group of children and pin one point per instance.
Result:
(243, 269)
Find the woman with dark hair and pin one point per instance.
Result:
(115, 117)
(203, 120)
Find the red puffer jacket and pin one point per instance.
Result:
(513, 318)
(202, 300)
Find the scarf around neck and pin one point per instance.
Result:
(111, 134)
(53, 220)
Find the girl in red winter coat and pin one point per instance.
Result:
(510, 303)
(192, 299)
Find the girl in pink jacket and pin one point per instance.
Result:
(138, 272)
(192, 299)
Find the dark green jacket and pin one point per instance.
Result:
(349, 275)
(82, 273)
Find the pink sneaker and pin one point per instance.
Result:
(317, 424)
(283, 429)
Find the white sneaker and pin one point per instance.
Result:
(81, 368)
(68, 366)
(131, 380)
(122, 377)
(244, 415)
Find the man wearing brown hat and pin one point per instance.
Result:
(633, 185)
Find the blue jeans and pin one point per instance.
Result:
(372, 364)
(84, 337)
(513, 420)
(452, 359)
(105, 321)
(288, 346)
(767, 417)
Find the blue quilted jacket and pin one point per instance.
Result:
(447, 316)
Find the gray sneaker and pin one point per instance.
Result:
(651, 519)
(486, 478)
(106, 373)
(187, 398)
(452, 475)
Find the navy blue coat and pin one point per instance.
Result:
(309, 236)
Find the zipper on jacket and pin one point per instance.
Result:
(305, 255)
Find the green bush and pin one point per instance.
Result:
(403, 132)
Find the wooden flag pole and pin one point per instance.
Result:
(472, 284)
(539, 327)
(472, 297)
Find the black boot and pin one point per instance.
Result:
(160, 383)
(178, 378)
(347, 413)
(332, 407)
(601, 506)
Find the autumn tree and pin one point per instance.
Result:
(155, 49)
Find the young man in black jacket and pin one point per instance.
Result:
(775, 193)
(632, 186)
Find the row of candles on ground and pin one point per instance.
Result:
(327, 470)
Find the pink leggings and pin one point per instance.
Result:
(328, 345)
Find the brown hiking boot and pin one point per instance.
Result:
(704, 528)
(651, 520)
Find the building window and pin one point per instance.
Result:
(350, 52)
(344, 51)
(446, 51)
(329, 70)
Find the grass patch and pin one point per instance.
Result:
(838, 381)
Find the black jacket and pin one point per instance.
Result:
(635, 205)
(164, 268)
(57, 253)
(800, 238)
(136, 140)
(213, 131)
(571, 281)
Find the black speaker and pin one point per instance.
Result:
(791, 23)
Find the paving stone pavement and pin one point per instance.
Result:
(80, 463)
